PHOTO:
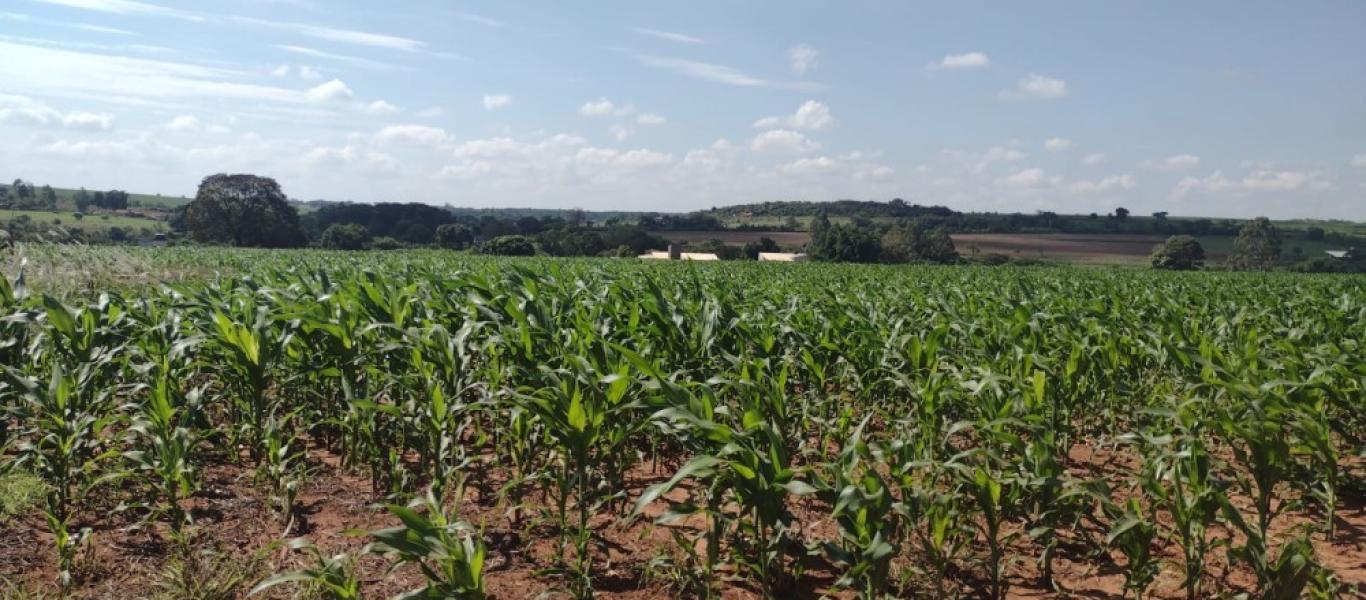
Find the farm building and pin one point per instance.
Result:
(677, 253)
(1338, 253)
(783, 256)
(664, 255)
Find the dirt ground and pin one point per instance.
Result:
(238, 536)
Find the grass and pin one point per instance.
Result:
(20, 493)
(90, 222)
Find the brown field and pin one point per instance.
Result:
(1060, 247)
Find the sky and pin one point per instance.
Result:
(1211, 108)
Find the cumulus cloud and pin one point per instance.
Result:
(496, 101)
(1112, 183)
(1057, 144)
(1036, 87)
(1176, 162)
(1028, 178)
(184, 123)
(1253, 182)
(650, 119)
(1359, 160)
(602, 107)
(782, 140)
(810, 116)
(1093, 159)
(331, 91)
(412, 134)
(25, 110)
(802, 58)
(380, 107)
(968, 60)
(811, 166)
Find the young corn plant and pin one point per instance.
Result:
(162, 445)
(328, 578)
(862, 505)
(251, 348)
(282, 468)
(448, 552)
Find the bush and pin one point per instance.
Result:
(345, 236)
(507, 245)
(454, 236)
(1180, 253)
(387, 243)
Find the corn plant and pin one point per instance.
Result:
(862, 504)
(329, 577)
(449, 553)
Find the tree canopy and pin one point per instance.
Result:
(243, 210)
(1258, 245)
(1180, 253)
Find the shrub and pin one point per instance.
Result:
(345, 236)
(1179, 252)
(507, 245)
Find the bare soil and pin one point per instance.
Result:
(233, 521)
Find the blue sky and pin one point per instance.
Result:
(1196, 108)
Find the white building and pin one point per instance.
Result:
(783, 256)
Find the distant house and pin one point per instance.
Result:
(664, 255)
(1338, 253)
(783, 256)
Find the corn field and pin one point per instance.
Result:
(451, 427)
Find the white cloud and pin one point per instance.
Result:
(669, 36)
(184, 123)
(350, 155)
(802, 58)
(480, 19)
(93, 149)
(811, 166)
(496, 101)
(1093, 159)
(1057, 144)
(412, 134)
(342, 36)
(126, 7)
(280, 71)
(650, 119)
(308, 73)
(355, 60)
(968, 60)
(124, 79)
(1176, 162)
(99, 28)
(1028, 178)
(25, 110)
(380, 107)
(716, 73)
(603, 107)
(784, 140)
(430, 112)
(1036, 86)
(620, 132)
(1253, 182)
(1359, 161)
(810, 116)
(1108, 184)
(329, 92)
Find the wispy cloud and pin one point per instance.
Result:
(802, 58)
(343, 36)
(480, 19)
(355, 60)
(967, 60)
(669, 36)
(717, 73)
(496, 101)
(127, 7)
(22, 18)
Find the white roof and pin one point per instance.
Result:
(664, 255)
(1337, 253)
(782, 256)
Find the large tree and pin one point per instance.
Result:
(1258, 245)
(243, 210)
(1179, 252)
